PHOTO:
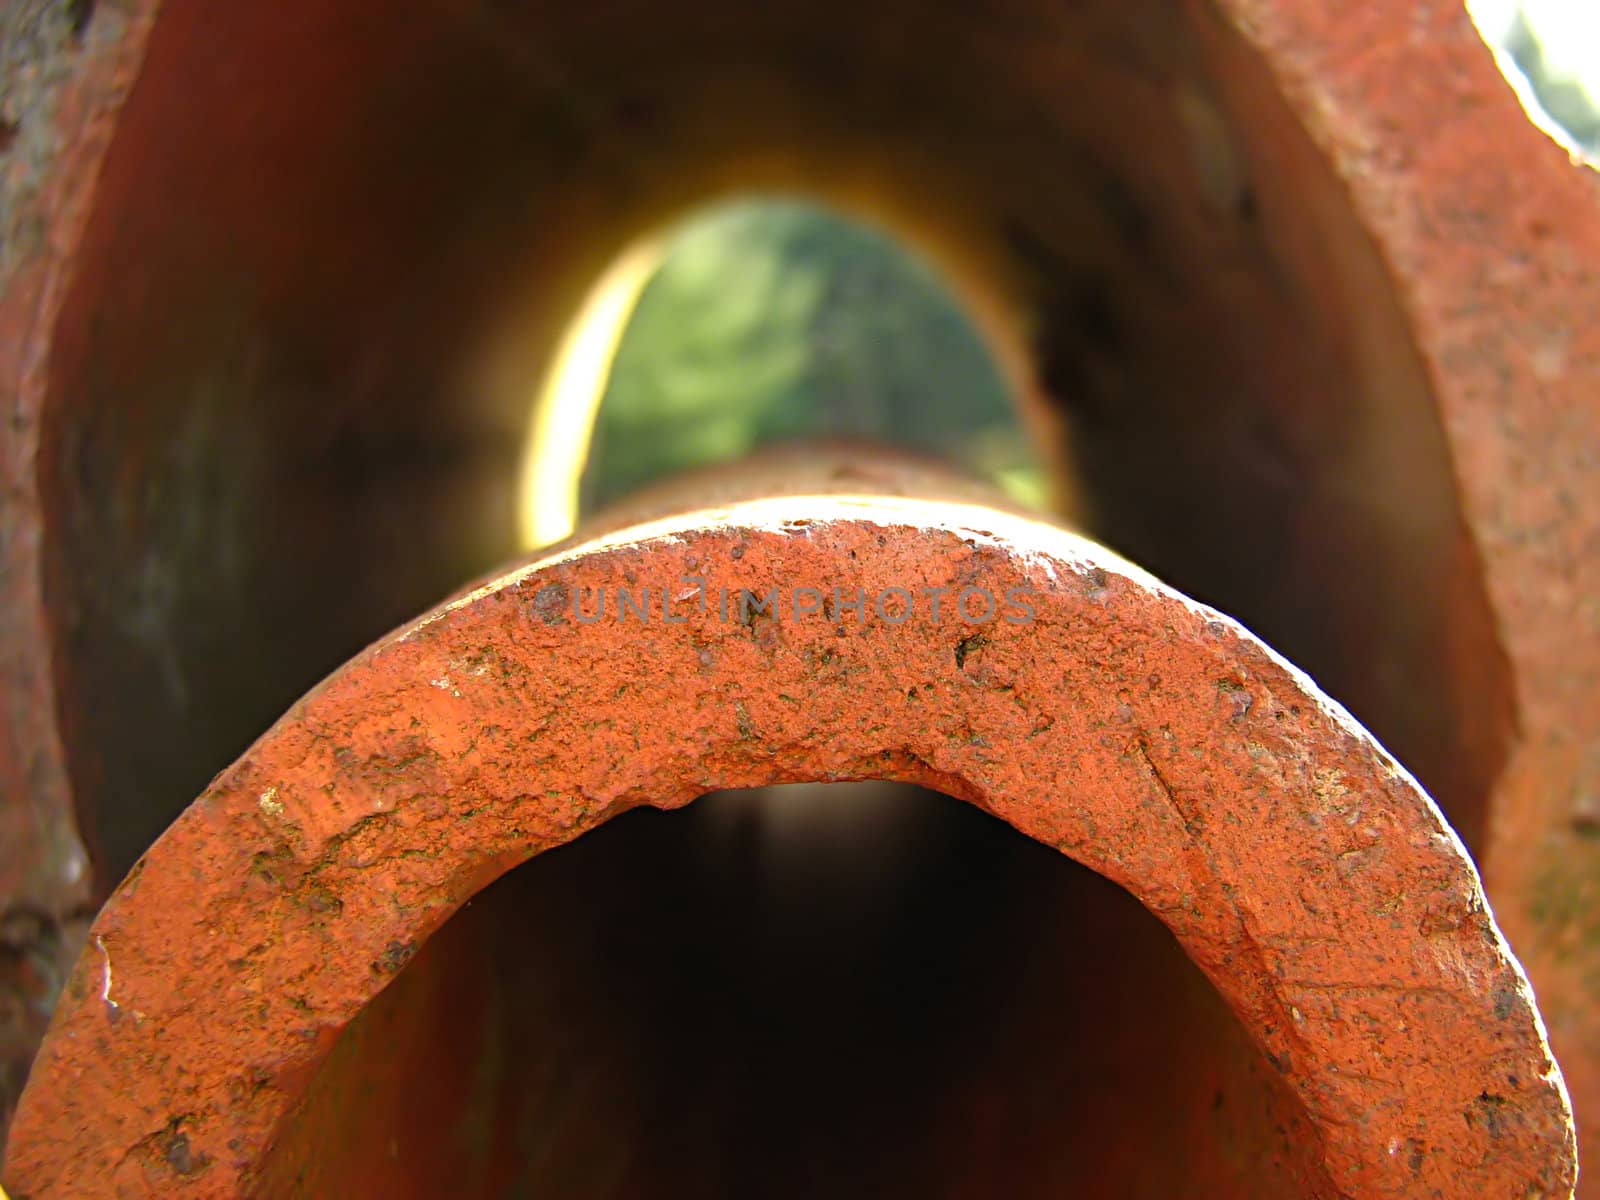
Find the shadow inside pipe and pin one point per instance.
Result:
(819, 990)
(333, 247)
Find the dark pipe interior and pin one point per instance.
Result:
(846, 990)
(333, 242)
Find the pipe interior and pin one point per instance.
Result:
(331, 249)
(843, 990)
(333, 244)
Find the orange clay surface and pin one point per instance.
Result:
(1137, 732)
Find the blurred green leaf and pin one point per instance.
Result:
(771, 320)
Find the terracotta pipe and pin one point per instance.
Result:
(1298, 298)
(312, 984)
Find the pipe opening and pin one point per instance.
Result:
(846, 989)
(1157, 743)
(766, 319)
